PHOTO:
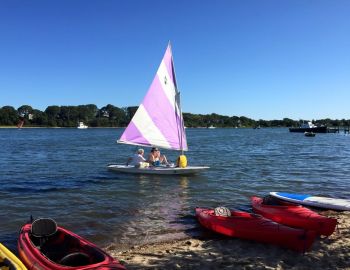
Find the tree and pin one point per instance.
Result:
(52, 113)
(39, 118)
(8, 116)
(289, 122)
(87, 112)
(130, 112)
(25, 110)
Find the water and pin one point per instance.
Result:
(61, 173)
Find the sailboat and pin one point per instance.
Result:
(158, 122)
(20, 123)
(81, 125)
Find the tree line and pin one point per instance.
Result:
(112, 116)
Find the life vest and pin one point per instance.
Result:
(181, 161)
(144, 165)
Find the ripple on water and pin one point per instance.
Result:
(61, 173)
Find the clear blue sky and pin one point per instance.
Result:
(261, 59)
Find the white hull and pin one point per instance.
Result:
(157, 170)
(320, 202)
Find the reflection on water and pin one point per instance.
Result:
(156, 218)
(184, 182)
(61, 173)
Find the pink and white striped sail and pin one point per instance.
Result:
(158, 120)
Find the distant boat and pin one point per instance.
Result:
(309, 127)
(309, 134)
(211, 127)
(81, 125)
(20, 123)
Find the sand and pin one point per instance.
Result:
(229, 253)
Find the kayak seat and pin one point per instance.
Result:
(75, 259)
(42, 229)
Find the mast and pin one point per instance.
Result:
(178, 101)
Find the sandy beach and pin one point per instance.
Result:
(228, 253)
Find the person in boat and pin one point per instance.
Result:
(137, 159)
(156, 159)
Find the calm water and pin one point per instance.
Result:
(61, 173)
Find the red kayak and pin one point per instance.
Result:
(255, 227)
(44, 246)
(293, 215)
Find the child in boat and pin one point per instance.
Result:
(137, 159)
(156, 159)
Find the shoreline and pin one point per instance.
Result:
(27, 127)
(220, 252)
(14, 127)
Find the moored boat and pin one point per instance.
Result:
(9, 261)
(81, 125)
(255, 227)
(44, 246)
(293, 215)
(309, 127)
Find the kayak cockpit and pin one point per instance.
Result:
(60, 247)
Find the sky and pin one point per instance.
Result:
(263, 59)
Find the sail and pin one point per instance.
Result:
(20, 123)
(158, 120)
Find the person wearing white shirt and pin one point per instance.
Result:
(137, 158)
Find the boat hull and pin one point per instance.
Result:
(9, 261)
(313, 129)
(255, 227)
(294, 216)
(62, 244)
(314, 201)
(157, 170)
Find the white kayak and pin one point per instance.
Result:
(315, 201)
(157, 170)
